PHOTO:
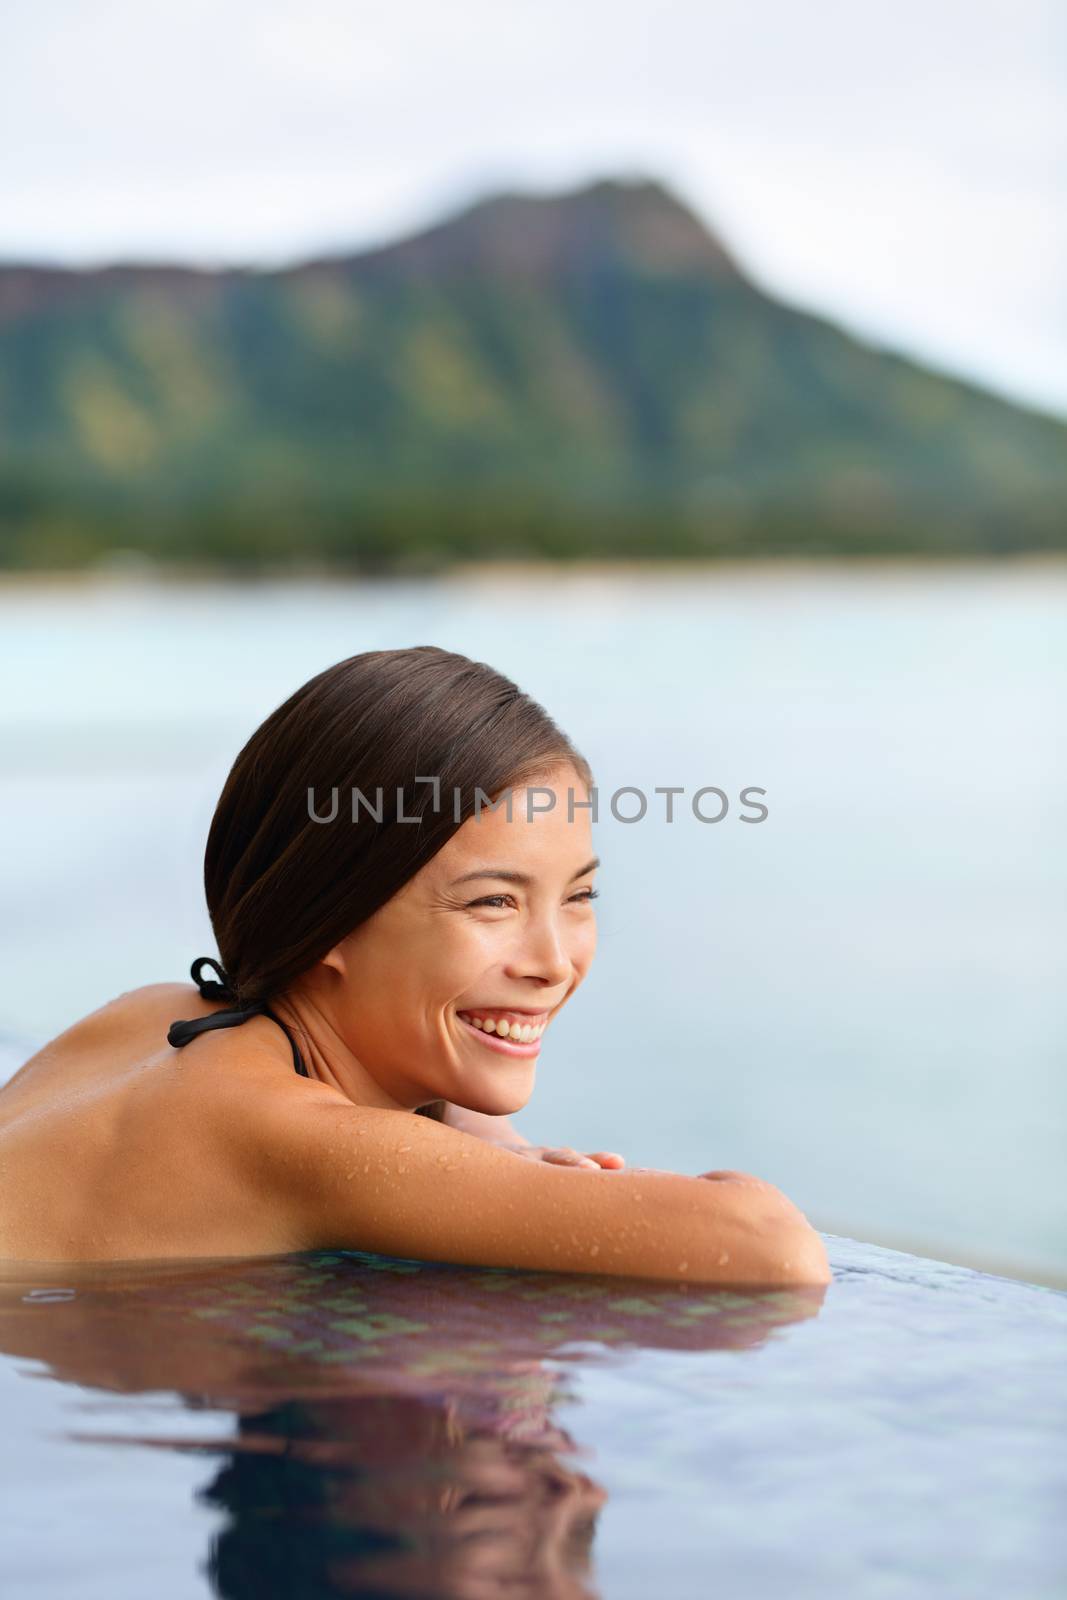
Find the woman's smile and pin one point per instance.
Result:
(510, 1032)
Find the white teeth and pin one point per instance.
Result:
(523, 1032)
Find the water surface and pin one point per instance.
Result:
(341, 1424)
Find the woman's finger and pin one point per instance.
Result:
(565, 1157)
(607, 1158)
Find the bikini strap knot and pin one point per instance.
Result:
(210, 989)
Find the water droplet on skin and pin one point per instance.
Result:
(594, 1249)
(724, 1258)
(683, 1266)
(402, 1148)
(44, 1297)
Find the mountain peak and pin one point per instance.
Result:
(633, 222)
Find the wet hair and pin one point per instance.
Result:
(283, 888)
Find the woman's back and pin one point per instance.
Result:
(114, 1145)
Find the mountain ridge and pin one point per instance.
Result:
(591, 372)
(518, 233)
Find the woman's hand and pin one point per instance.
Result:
(564, 1156)
(499, 1131)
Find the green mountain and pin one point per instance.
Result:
(580, 375)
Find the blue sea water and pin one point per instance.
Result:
(860, 999)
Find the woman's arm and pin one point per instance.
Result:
(362, 1178)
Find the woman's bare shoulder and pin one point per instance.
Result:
(146, 1003)
(152, 997)
(139, 1016)
(129, 1030)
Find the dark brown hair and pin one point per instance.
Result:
(283, 889)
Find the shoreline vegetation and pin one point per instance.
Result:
(119, 572)
(392, 547)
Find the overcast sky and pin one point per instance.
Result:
(899, 166)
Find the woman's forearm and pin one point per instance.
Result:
(482, 1206)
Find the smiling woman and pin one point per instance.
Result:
(415, 959)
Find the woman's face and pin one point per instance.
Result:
(446, 988)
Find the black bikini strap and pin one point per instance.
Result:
(181, 1032)
(298, 1060)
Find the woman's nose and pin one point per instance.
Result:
(542, 954)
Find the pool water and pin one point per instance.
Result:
(339, 1423)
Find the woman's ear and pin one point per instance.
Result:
(337, 958)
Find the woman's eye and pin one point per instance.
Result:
(498, 901)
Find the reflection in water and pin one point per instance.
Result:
(392, 1495)
(394, 1426)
